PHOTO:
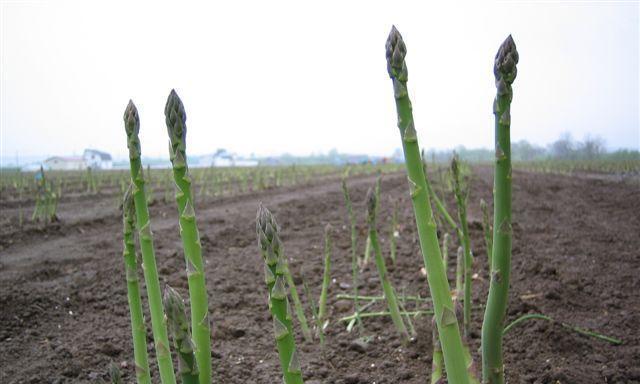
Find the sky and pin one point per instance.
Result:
(272, 77)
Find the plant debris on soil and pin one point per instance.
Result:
(64, 315)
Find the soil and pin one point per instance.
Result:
(576, 258)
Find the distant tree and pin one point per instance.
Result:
(591, 147)
(524, 151)
(563, 148)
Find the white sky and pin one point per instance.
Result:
(269, 77)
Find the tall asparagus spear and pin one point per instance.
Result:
(461, 203)
(387, 288)
(175, 118)
(145, 237)
(138, 330)
(274, 269)
(505, 73)
(179, 328)
(446, 321)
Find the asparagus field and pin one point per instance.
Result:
(65, 316)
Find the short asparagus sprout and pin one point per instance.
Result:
(326, 278)
(145, 237)
(271, 248)
(460, 193)
(487, 229)
(179, 329)
(394, 234)
(138, 329)
(175, 118)
(115, 376)
(437, 371)
(297, 304)
(387, 288)
(505, 72)
(447, 324)
(354, 246)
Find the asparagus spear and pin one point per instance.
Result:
(461, 202)
(179, 328)
(354, 245)
(387, 288)
(326, 277)
(271, 248)
(505, 73)
(486, 228)
(447, 323)
(175, 118)
(297, 304)
(145, 237)
(138, 329)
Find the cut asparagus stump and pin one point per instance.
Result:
(447, 324)
(175, 118)
(505, 72)
(145, 237)
(274, 270)
(138, 329)
(179, 329)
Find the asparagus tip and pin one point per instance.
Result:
(371, 204)
(131, 119)
(176, 118)
(505, 62)
(395, 53)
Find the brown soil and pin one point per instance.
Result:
(64, 313)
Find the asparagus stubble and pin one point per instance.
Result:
(175, 118)
(447, 323)
(138, 329)
(145, 237)
(505, 72)
(274, 270)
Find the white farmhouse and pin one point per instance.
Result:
(59, 163)
(97, 159)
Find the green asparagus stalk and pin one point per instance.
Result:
(461, 203)
(145, 237)
(179, 329)
(505, 73)
(447, 324)
(487, 229)
(138, 329)
(393, 232)
(387, 288)
(445, 250)
(297, 304)
(175, 118)
(440, 207)
(269, 241)
(459, 273)
(326, 277)
(314, 311)
(437, 373)
(354, 245)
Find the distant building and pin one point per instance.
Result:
(223, 158)
(59, 163)
(97, 159)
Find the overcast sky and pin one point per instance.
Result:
(268, 77)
